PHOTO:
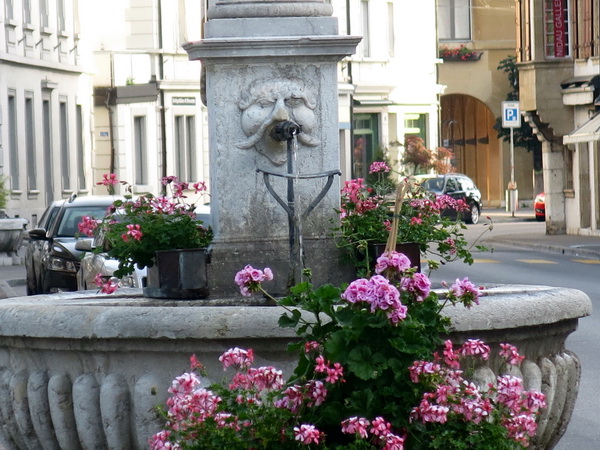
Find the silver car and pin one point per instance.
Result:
(93, 264)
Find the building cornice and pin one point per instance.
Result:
(9, 59)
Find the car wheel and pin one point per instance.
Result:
(473, 214)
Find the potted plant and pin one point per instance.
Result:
(373, 372)
(422, 160)
(367, 218)
(11, 229)
(460, 53)
(162, 233)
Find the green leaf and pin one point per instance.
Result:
(364, 364)
(286, 321)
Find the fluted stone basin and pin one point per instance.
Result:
(83, 370)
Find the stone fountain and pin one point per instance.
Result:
(85, 371)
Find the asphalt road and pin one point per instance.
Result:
(506, 264)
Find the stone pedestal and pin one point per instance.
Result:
(272, 62)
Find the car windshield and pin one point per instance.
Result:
(72, 217)
(435, 184)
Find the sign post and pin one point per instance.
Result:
(511, 118)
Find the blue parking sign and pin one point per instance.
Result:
(511, 115)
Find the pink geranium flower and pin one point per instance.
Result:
(249, 279)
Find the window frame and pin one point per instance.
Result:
(140, 138)
(551, 17)
(450, 19)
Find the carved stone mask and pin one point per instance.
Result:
(265, 104)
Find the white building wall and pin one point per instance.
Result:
(41, 59)
(399, 69)
(130, 54)
(585, 201)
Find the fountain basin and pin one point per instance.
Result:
(84, 370)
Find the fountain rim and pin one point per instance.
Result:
(128, 315)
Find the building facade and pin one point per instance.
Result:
(474, 37)
(149, 121)
(45, 104)
(388, 88)
(79, 98)
(559, 57)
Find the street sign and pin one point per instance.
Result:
(511, 115)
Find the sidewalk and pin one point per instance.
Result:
(575, 245)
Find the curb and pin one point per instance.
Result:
(548, 248)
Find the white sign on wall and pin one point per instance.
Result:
(511, 115)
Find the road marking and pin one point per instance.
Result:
(536, 261)
(486, 261)
(587, 261)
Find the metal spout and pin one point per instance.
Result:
(285, 130)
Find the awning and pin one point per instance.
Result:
(582, 81)
(373, 102)
(588, 132)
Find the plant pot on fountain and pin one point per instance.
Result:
(11, 231)
(162, 233)
(412, 220)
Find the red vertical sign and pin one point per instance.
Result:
(559, 28)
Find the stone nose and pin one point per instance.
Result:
(280, 111)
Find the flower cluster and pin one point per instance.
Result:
(249, 279)
(135, 228)
(256, 409)
(365, 377)
(106, 286)
(455, 403)
(378, 167)
(379, 294)
(366, 219)
(460, 52)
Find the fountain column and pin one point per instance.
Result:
(265, 62)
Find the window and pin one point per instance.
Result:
(44, 18)
(139, 142)
(27, 11)
(60, 6)
(80, 148)
(10, 10)
(416, 125)
(454, 20)
(556, 28)
(390, 30)
(586, 26)
(47, 130)
(366, 142)
(64, 145)
(185, 147)
(13, 145)
(30, 144)
(364, 17)
(523, 23)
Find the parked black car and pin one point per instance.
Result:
(457, 186)
(51, 260)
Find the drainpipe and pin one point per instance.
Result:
(111, 112)
(351, 82)
(162, 106)
(110, 128)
